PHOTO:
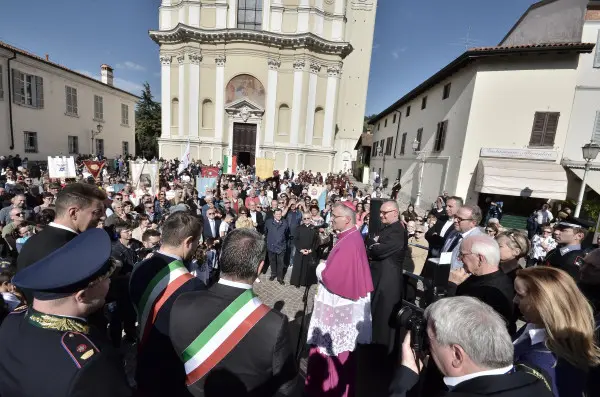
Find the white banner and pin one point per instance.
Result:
(314, 191)
(144, 174)
(61, 167)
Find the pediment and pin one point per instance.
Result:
(243, 103)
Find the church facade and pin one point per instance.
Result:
(279, 79)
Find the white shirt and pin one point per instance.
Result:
(212, 226)
(253, 216)
(170, 255)
(234, 284)
(536, 335)
(56, 225)
(447, 225)
(224, 228)
(453, 381)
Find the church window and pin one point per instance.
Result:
(249, 14)
(283, 120)
(318, 126)
(208, 114)
(175, 112)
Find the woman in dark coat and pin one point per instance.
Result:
(306, 240)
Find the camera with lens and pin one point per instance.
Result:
(412, 319)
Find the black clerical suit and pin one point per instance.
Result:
(261, 364)
(386, 258)
(303, 272)
(513, 384)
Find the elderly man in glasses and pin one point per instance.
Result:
(17, 218)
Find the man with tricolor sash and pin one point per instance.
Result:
(155, 284)
(230, 343)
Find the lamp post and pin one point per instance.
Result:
(590, 152)
(95, 133)
(415, 147)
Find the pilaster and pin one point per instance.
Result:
(311, 102)
(271, 100)
(194, 93)
(297, 100)
(165, 97)
(219, 96)
(333, 77)
(183, 71)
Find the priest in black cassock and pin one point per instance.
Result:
(306, 240)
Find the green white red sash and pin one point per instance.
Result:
(161, 288)
(222, 335)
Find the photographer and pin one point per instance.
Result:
(470, 345)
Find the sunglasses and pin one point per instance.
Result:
(20, 214)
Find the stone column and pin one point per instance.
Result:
(219, 97)
(297, 100)
(165, 97)
(337, 24)
(194, 95)
(270, 111)
(311, 103)
(232, 14)
(333, 77)
(181, 130)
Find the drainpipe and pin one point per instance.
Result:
(10, 110)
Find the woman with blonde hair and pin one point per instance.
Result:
(559, 335)
(514, 245)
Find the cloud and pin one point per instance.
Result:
(396, 53)
(131, 66)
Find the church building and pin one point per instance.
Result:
(279, 79)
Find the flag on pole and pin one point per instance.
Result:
(229, 164)
(185, 159)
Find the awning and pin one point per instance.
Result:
(521, 178)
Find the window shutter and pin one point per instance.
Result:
(419, 138)
(443, 131)
(596, 131)
(18, 88)
(537, 133)
(39, 92)
(597, 55)
(551, 127)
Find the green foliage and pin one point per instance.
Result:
(147, 124)
(366, 121)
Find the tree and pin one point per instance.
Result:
(366, 122)
(147, 125)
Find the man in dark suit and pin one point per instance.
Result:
(154, 285)
(79, 206)
(387, 252)
(471, 347)
(211, 225)
(444, 229)
(230, 343)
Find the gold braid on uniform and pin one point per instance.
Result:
(57, 323)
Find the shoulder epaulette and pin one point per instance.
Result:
(79, 347)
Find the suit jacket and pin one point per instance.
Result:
(159, 371)
(206, 230)
(43, 244)
(514, 384)
(455, 246)
(262, 364)
(386, 260)
(260, 222)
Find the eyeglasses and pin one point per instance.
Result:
(20, 214)
(459, 219)
(386, 212)
(306, 219)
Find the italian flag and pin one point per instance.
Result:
(222, 335)
(229, 164)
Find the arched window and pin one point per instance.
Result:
(175, 112)
(249, 14)
(208, 114)
(283, 120)
(318, 126)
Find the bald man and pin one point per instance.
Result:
(387, 252)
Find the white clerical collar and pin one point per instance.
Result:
(536, 334)
(56, 225)
(170, 255)
(453, 381)
(234, 284)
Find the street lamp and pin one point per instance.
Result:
(415, 146)
(590, 152)
(95, 133)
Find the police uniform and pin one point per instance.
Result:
(568, 257)
(54, 355)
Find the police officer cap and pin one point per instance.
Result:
(573, 222)
(70, 268)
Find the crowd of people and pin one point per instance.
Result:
(89, 266)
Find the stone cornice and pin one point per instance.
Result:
(183, 33)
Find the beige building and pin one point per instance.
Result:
(281, 79)
(47, 109)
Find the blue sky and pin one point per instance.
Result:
(413, 39)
